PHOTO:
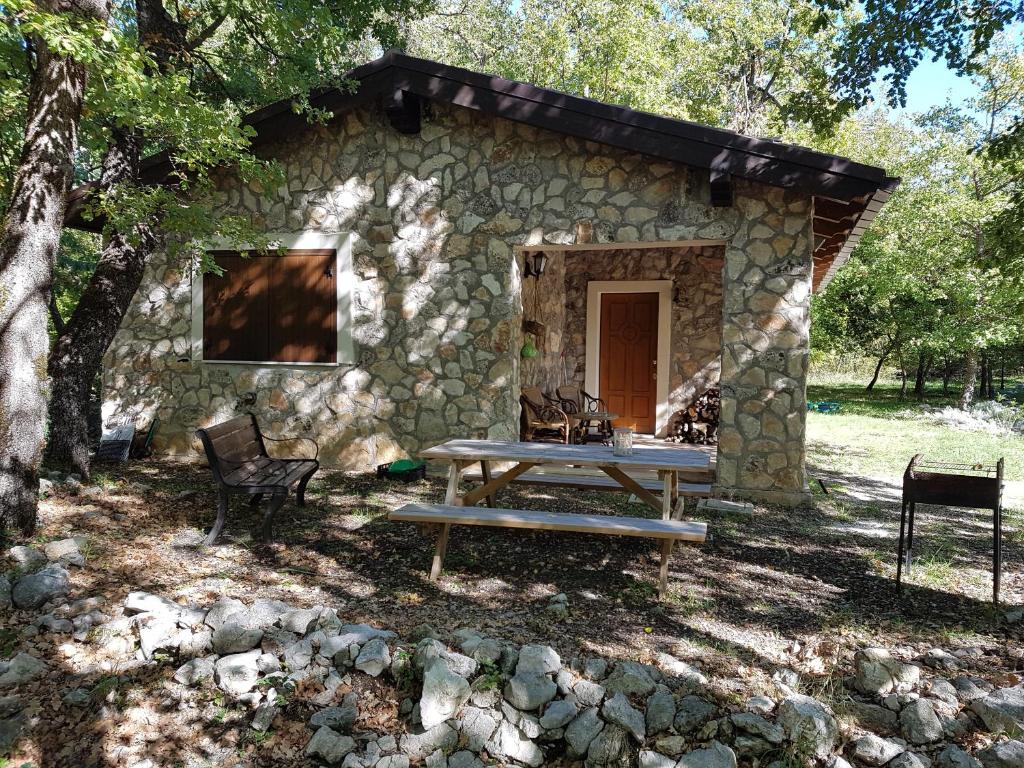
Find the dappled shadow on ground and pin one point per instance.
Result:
(738, 602)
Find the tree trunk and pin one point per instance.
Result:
(947, 373)
(970, 380)
(77, 355)
(878, 367)
(922, 375)
(28, 248)
(903, 378)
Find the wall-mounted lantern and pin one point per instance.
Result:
(533, 266)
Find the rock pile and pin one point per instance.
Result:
(481, 700)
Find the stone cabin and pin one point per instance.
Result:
(674, 257)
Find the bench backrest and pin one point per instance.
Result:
(232, 443)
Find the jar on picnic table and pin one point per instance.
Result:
(622, 441)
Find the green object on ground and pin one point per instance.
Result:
(404, 465)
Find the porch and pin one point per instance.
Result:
(638, 325)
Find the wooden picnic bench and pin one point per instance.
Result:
(670, 462)
(237, 453)
(445, 516)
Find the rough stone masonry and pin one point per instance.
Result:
(437, 301)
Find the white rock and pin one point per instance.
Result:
(808, 722)
(443, 693)
(373, 658)
(238, 673)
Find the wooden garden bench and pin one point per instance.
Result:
(237, 453)
(445, 516)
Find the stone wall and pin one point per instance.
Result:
(765, 330)
(438, 307)
(544, 301)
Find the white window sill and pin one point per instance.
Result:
(272, 363)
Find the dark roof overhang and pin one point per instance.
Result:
(846, 194)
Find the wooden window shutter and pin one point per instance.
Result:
(304, 303)
(236, 309)
(272, 307)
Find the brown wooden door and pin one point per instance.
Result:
(628, 357)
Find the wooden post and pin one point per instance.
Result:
(451, 496)
(669, 490)
(666, 552)
(439, 552)
(485, 471)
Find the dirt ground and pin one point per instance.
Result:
(781, 589)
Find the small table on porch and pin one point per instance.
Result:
(672, 464)
(581, 424)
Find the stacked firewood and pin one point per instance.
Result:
(698, 422)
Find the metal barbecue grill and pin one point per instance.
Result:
(978, 486)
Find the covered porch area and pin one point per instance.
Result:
(638, 325)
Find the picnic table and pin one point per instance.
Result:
(672, 463)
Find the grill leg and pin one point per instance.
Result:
(899, 553)
(910, 536)
(997, 552)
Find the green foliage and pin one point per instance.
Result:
(935, 274)
(744, 64)
(892, 38)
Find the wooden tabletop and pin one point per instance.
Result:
(664, 457)
(592, 416)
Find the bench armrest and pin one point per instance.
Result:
(316, 447)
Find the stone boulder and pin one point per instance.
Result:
(235, 638)
(21, 669)
(660, 710)
(873, 750)
(511, 743)
(954, 757)
(40, 587)
(878, 673)
(919, 724)
(443, 693)
(26, 558)
(631, 678)
(716, 755)
(66, 551)
(418, 744)
(530, 690)
(195, 671)
(583, 730)
(1004, 754)
(144, 602)
(809, 725)
(692, 713)
(558, 714)
(619, 711)
(610, 749)
(237, 673)
(328, 746)
(374, 657)
(1002, 711)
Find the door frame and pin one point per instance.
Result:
(592, 376)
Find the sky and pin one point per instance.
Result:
(932, 82)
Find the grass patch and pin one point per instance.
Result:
(876, 433)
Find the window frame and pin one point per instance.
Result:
(341, 244)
